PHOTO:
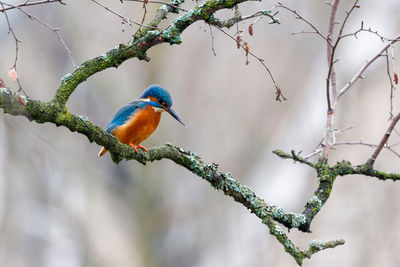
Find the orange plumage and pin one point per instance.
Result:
(135, 122)
(137, 128)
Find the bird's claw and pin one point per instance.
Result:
(138, 146)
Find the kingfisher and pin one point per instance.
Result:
(136, 121)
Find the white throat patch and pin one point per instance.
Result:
(158, 109)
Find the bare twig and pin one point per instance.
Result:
(26, 4)
(279, 95)
(234, 20)
(392, 87)
(125, 19)
(319, 147)
(330, 56)
(366, 65)
(298, 16)
(212, 40)
(143, 18)
(10, 30)
(158, 2)
(315, 152)
(331, 77)
(329, 137)
(55, 30)
(362, 29)
(383, 141)
(348, 13)
(362, 143)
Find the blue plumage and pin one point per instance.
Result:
(136, 121)
(123, 114)
(128, 110)
(159, 93)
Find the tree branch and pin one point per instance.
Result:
(383, 141)
(55, 112)
(26, 4)
(326, 177)
(366, 65)
(48, 112)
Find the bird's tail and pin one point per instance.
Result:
(102, 151)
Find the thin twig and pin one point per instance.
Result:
(298, 16)
(234, 20)
(366, 65)
(158, 2)
(383, 141)
(125, 19)
(390, 148)
(362, 29)
(391, 84)
(329, 137)
(10, 30)
(55, 30)
(212, 40)
(26, 4)
(279, 94)
(143, 18)
(330, 56)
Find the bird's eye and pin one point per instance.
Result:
(162, 103)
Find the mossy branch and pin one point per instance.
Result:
(326, 177)
(270, 215)
(55, 112)
(142, 41)
(234, 20)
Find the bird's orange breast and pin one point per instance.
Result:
(138, 127)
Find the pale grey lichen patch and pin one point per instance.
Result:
(67, 77)
(104, 57)
(278, 212)
(316, 244)
(84, 118)
(297, 219)
(25, 99)
(164, 8)
(315, 200)
(279, 230)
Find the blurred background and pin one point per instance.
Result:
(61, 205)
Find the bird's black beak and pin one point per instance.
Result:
(174, 114)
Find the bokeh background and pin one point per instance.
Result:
(61, 205)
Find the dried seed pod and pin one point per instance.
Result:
(246, 47)
(251, 29)
(238, 39)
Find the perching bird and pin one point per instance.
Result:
(136, 121)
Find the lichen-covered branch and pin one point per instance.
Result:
(144, 40)
(42, 112)
(234, 20)
(383, 141)
(326, 177)
(55, 112)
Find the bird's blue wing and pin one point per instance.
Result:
(123, 115)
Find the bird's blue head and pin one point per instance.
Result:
(160, 98)
(159, 93)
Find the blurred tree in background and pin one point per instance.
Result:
(245, 87)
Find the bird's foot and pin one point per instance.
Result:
(138, 146)
(134, 147)
(142, 147)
